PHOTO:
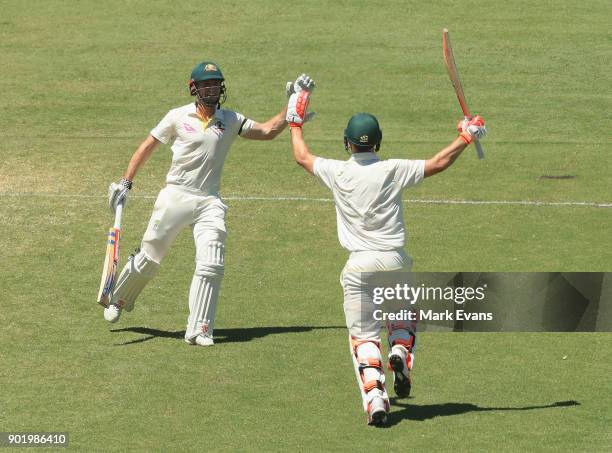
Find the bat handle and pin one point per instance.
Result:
(479, 149)
(118, 214)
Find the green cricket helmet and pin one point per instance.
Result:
(214, 95)
(363, 131)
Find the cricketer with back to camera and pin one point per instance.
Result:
(367, 193)
(200, 135)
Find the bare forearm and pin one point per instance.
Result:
(300, 149)
(301, 153)
(138, 159)
(268, 130)
(277, 124)
(449, 154)
(444, 158)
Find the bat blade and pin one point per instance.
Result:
(453, 74)
(109, 270)
(111, 261)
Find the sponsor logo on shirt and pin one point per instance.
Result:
(188, 128)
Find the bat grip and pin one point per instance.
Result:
(118, 214)
(479, 149)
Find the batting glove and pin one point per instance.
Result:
(297, 108)
(472, 129)
(118, 192)
(302, 83)
(289, 89)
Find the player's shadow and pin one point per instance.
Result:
(235, 335)
(424, 412)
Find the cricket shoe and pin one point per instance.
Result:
(112, 313)
(200, 340)
(377, 411)
(401, 373)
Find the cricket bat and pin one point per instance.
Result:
(451, 67)
(111, 261)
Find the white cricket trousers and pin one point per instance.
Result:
(364, 271)
(175, 209)
(359, 273)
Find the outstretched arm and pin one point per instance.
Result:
(473, 128)
(445, 158)
(268, 130)
(301, 153)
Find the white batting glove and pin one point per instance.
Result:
(289, 89)
(472, 128)
(304, 83)
(118, 193)
(297, 108)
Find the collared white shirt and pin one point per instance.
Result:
(198, 149)
(368, 196)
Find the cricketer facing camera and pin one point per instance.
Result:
(200, 135)
(367, 193)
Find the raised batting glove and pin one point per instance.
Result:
(471, 129)
(118, 192)
(297, 108)
(289, 89)
(304, 83)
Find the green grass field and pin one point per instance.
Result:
(83, 82)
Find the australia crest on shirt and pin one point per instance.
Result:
(218, 127)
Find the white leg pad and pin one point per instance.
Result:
(367, 361)
(135, 275)
(402, 339)
(204, 291)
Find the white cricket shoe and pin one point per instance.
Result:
(201, 340)
(377, 411)
(112, 313)
(402, 381)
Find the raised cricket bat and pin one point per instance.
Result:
(451, 67)
(109, 271)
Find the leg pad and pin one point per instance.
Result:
(138, 271)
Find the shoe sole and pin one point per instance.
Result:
(401, 384)
(378, 418)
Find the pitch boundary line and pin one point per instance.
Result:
(330, 200)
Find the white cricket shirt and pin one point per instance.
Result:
(199, 150)
(368, 196)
